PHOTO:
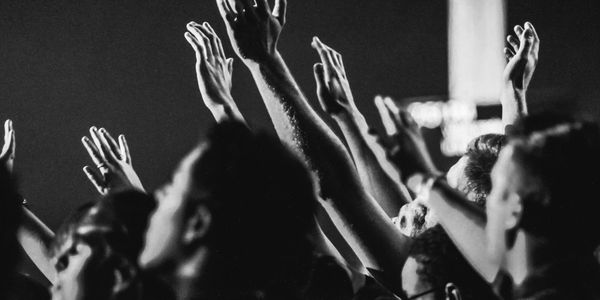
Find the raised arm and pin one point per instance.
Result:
(214, 78)
(254, 31)
(213, 71)
(372, 166)
(522, 56)
(462, 220)
(113, 161)
(33, 235)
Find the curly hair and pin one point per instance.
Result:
(441, 263)
(482, 154)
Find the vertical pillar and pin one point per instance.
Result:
(475, 42)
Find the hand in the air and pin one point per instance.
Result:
(7, 156)
(407, 149)
(113, 162)
(522, 56)
(213, 68)
(333, 88)
(253, 29)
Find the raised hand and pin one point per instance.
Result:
(253, 28)
(7, 156)
(333, 88)
(213, 69)
(522, 56)
(407, 150)
(112, 161)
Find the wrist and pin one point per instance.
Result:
(347, 115)
(217, 98)
(268, 60)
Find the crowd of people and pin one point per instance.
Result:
(303, 215)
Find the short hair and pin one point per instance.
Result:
(114, 228)
(441, 263)
(123, 217)
(563, 159)
(263, 202)
(482, 154)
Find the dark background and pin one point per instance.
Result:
(67, 65)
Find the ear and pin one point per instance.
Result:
(198, 225)
(514, 211)
(124, 276)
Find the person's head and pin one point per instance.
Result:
(10, 217)
(240, 200)
(434, 263)
(544, 187)
(96, 249)
(470, 175)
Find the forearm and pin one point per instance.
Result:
(465, 224)
(298, 125)
(225, 111)
(362, 222)
(374, 170)
(336, 246)
(35, 238)
(382, 252)
(514, 104)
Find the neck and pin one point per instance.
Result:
(204, 275)
(527, 255)
(190, 276)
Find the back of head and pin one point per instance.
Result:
(563, 159)
(442, 263)
(114, 229)
(262, 201)
(482, 155)
(123, 216)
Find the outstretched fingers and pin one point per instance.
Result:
(280, 10)
(108, 146)
(384, 114)
(217, 45)
(331, 60)
(226, 11)
(203, 41)
(8, 150)
(508, 53)
(124, 149)
(319, 74)
(320, 47)
(394, 113)
(95, 179)
(529, 26)
(514, 42)
(195, 45)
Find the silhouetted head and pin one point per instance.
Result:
(97, 248)
(544, 185)
(242, 201)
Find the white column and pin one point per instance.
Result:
(475, 41)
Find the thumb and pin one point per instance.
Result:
(230, 65)
(319, 75)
